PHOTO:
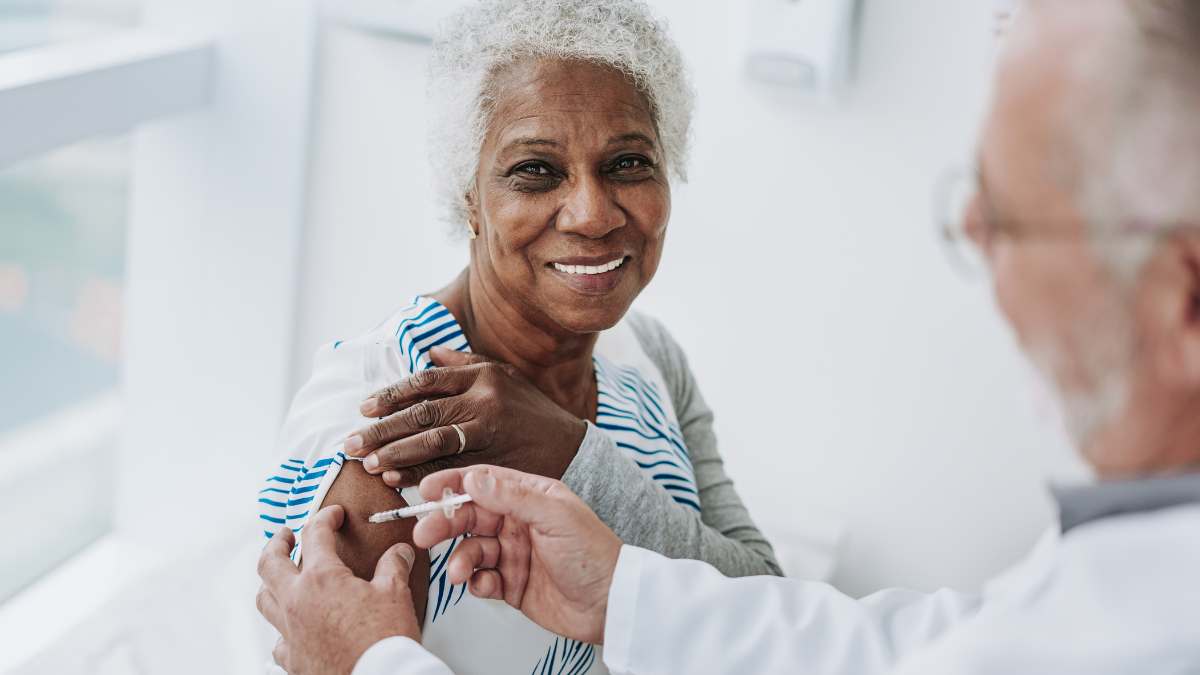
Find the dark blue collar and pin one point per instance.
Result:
(1081, 504)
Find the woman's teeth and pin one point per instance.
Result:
(589, 269)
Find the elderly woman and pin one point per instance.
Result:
(557, 124)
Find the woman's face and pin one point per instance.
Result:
(571, 180)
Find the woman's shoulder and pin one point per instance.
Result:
(400, 325)
(396, 346)
(640, 335)
(651, 333)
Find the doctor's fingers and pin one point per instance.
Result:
(280, 655)
(268, 606)
(455, 479)
(472, 553)
(275, 566)
(436, 527)
(492, 571)
(487, 584)
(420, 386)
(533, 501)
(320, 547)
(393, 568)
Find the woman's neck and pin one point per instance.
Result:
(558, 363)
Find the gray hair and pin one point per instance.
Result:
(1143, 172)
(479, 40)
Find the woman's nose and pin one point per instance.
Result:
(590, 210)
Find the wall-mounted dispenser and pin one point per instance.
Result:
(806, 45)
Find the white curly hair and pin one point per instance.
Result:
(479, 40)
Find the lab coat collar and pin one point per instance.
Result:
(1079, 504)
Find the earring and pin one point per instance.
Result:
(471, 229)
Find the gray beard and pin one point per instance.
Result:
(1102, 352)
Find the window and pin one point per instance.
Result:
(32, 23)
(204, 271)
(62, 244)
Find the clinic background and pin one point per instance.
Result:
(887, 398)
(884, 430)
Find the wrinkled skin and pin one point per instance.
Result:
(571, 172)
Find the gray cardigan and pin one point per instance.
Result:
(641, 512)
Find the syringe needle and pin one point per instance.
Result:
(449, 503)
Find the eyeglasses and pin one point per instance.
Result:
(955, 192)
(967, 224)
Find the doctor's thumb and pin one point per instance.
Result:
(525, 498)
(393, 567)
(480, 482)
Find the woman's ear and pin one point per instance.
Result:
(471, 208)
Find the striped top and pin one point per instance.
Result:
(470, 634)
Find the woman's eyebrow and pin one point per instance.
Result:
(632, 136)
(546, 142)
(526, 142)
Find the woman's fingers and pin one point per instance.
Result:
(419, 418)
(427, 446)
(418, 449)
(413, 475)
(452, 358)
(406, 462)
(422, 385)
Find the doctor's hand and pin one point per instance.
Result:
(505, 421)
(536, 546)
(327, 617)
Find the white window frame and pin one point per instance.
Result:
(62, 93)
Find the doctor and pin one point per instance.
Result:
(1087, 210)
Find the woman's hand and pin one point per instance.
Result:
(505, 420)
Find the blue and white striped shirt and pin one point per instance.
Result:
(471, 635)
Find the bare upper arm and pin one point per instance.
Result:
(360, 543)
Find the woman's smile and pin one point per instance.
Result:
(591, 275)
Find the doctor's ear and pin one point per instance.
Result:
(1169, 310)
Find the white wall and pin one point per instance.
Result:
(216, 218)
(856, 378)
(372, 239)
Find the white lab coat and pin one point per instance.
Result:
(1115, 595)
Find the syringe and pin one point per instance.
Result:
(449, 503)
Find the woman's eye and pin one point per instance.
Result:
(629, 163)
(534, 170)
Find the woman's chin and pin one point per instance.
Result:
(589, 314)
(587, 303)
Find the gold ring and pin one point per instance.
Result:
(462, 439)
